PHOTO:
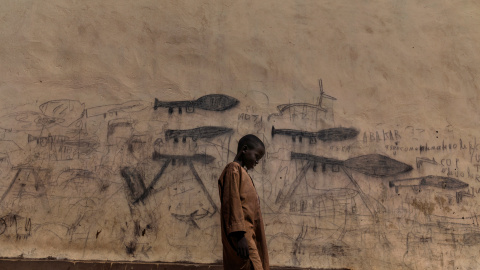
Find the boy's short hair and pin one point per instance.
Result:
(251, 141)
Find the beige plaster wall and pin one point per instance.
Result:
(78, 129)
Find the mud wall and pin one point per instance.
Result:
(116, 118)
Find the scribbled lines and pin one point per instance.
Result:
(126, 125)
(285, 107)
(68, 111)
(28, 183)
(55, 112)
(21, 226)
(114, 109)
(212, 102)
(325, 135)
(135, 178)
(64, 147)
(422, 160)
(64, 113)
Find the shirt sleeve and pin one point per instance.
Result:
(232, 211)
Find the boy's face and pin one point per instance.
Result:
(252, 156)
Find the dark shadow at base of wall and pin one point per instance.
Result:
(24, 264)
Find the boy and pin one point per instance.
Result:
(243, 234)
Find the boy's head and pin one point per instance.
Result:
(250, 150)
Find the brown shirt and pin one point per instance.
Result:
(240, 211)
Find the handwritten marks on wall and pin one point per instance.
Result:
(133, 177)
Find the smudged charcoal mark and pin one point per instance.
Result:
(298, 247)
(135, 143)
(104, 187)
(459, 195)
(204, 189)
(377, 165)
(293, 133)
(22, 227)
(367, 200)
(137, 228)
(430, 180)
(11, 184)
(157, 177)
(421, 160)
(28, 121)
(213, 102)
(425, 207)
(333, 250)
(82, 146)
(84, 178)
(337, 134)
(443, 204)
(135, 182)
(158, 142)
(316, 159)
(326, 135)
(114, 124)
(471, 239)
(196, 133)
(47, 140)
(130, 248)
(85, 146)
(283, 199)
(30, 180)
(190, 219)
(183, 159)
(3, 226)
(424, 148)
(425, 239)
(70, 175)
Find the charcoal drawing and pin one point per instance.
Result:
(196, 133)
(325, 135)
(326, 195)
(212, 102)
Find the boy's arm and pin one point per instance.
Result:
(232, 211)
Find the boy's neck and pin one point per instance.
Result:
(238, 159)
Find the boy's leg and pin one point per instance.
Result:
(255, 261)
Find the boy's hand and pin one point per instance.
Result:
(242, 249)
(242, 245)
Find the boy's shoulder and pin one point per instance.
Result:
(233, 165)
